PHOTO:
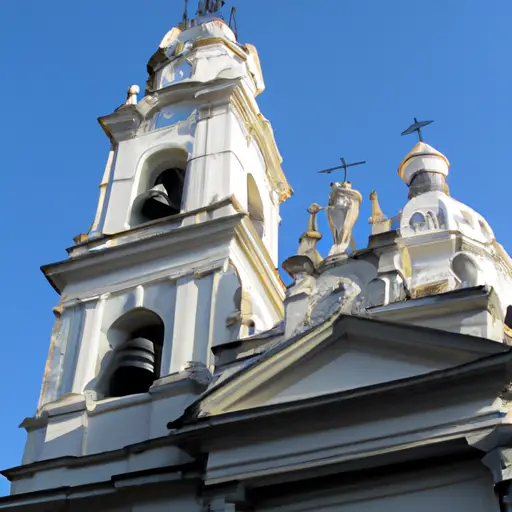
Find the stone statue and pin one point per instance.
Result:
(342, 213)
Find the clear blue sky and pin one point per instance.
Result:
(344, 78)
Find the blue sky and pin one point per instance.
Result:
(344, 78)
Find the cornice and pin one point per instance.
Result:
(259, 128)
(260, 261)
(174, 240)
(489, 373)
(454, 301)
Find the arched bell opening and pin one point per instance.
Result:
(508, 322)
(138, 337)
(160, 188)
(164, 198)
(255, 206)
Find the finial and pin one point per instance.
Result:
(416, 127)
(307, 259)
(343, 166)
(131, 97)
(310, 238)
(377, 214)
(380, 223)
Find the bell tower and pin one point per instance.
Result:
(181, 256)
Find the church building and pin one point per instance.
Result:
(183, 375)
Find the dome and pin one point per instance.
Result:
(435, 211)
(423, 158)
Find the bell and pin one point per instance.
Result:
(135, 371)
(157, 204)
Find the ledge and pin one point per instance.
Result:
(449, 302)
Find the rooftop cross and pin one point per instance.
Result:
(416, 127)
(343, 166)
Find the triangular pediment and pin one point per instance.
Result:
(343, 354)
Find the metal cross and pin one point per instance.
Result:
(343, 166)
(416, 127)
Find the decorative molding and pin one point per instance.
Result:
(425, 290)
(260, 129)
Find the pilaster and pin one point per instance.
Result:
(87, 362)
(184, 331)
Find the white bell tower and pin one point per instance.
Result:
(181, 256)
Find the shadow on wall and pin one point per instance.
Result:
(255, 206)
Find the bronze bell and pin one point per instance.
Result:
(157, 203)
(135, 370)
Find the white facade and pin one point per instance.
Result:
(183, 376)
(200, 276)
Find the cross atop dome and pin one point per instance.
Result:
(416, 127)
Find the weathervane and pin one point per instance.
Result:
(416, 127)
(343, 166)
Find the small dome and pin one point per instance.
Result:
(207, 28)
(434, 211)
(421, 158)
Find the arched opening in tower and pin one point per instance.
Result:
(159, 186)
(164, 198)
(140, 336)
(255, 206)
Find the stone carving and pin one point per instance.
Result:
(338, 296)
(197, 372)
(342, 213)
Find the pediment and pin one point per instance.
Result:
(343, 354)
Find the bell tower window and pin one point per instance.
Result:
(164, 198)
(138, 339)
(160, 187)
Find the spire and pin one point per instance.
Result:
(377, 214)
(379, 222)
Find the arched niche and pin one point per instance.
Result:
(255, 205)
(137, 341)
(160, 187)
